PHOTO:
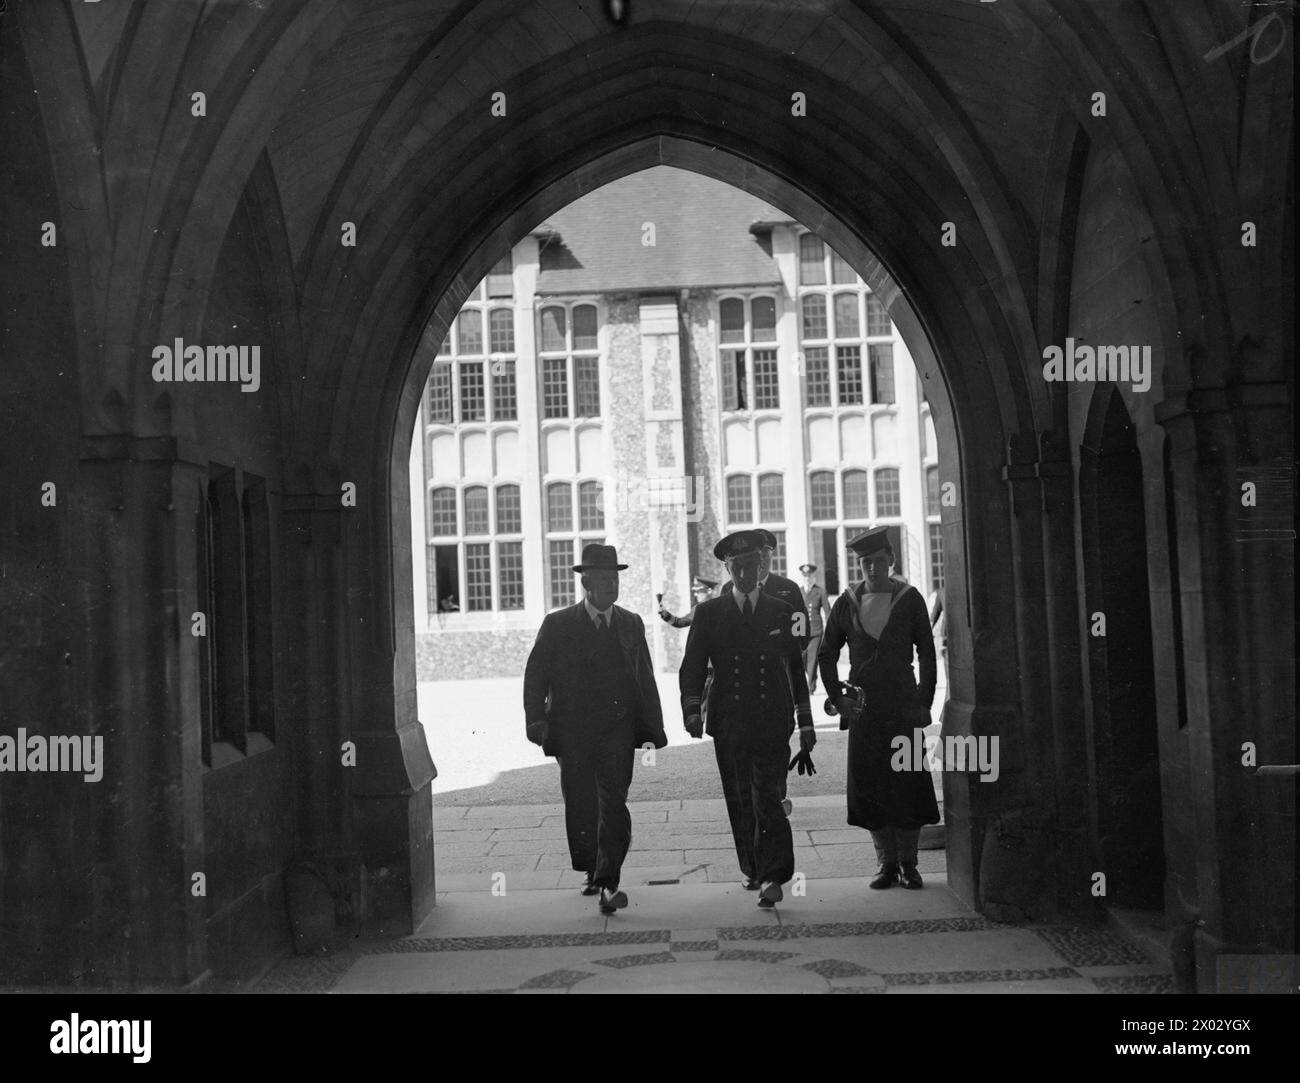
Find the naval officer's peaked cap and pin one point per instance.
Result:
(739, 544)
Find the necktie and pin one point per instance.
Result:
(748, 609)
(601, 618)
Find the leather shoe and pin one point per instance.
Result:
(751, 884)
(770, 895)
(589, 888)
(611, 900)
(912, 878)
(886, 876)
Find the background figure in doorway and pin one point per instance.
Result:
(701, 591)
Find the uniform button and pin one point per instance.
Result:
(762, 696)
(762, 684)
(735, 697)
(735, 671)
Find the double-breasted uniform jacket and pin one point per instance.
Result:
(758, 680)
(784, 590)
(558, 676)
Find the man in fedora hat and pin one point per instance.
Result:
(759, 689)
(590, 700)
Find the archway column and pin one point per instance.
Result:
(1236, 566)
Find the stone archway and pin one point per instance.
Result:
(710, 160)
(1125, 765)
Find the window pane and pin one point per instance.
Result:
(821, 490)
(817, 374)
(559, 506)
(882, 373)
(442, 513)
(936, 555)
(591, 506)
(586, 386)
(584, 327)
(553, 329)
(501, 326)
(476, 510)
(887, 497)
(478, 577)
(778, 554)
(814, 316)
(767, 395)
(469, 331)
(846, 315)
(877, 317)
(559, 559)
(848, 365)
(731, 319)
(473, 404)
(932, 491)
(856, 501)
(443, 578)
(740, 501)
(733, 380)
(841, 272)
(438, 407)
(812, 269)
(555, 387)
(762, 319)
(771, 499)
(510, 567)
(505, 394)
(509, 514)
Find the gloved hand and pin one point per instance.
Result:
(537, 733)
(695, 726)
(804, 759)
(664, 615)
(807, 738)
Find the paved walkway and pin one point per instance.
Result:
(510, 919)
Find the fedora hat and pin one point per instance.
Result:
(599, 558)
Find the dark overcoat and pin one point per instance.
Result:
(758, 679)
(894, 705)
(557, 680)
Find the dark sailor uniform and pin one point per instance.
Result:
(878, 796)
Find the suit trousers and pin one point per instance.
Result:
(595, 774)
(810, 661)
(753, 783)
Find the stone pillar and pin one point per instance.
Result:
(526, 384)
(911, 468)
(673, 496)
(1071, 839)
(795, 464)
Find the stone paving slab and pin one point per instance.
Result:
(635, 859)
(457, 834)
(703, 937)
(516, 880)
